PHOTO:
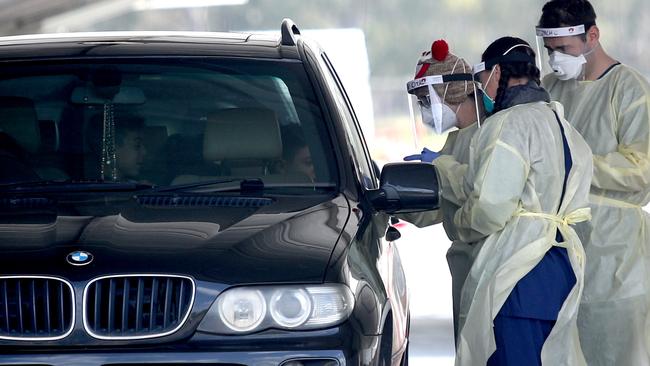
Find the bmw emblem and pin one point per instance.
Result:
(79, 258)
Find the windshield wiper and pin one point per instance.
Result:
(72, 186)
(245, 186)
(205, 183)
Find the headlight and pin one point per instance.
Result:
(252, 309)
(329, 306)
(242, 309)
(290, 308)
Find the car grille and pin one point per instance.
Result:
(137, 306)
(35, 308)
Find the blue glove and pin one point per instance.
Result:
(427, 156)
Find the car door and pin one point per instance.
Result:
(389, 264)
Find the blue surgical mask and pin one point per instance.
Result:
(488, 103)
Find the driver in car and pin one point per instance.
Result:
(129, 148)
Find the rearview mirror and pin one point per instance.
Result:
(125, 95)
(406, 187)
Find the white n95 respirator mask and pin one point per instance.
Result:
(566, 67)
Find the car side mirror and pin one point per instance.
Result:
(406, 187)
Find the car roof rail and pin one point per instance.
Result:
(290, 32)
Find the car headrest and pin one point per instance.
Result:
(18, 120)
(242, 133)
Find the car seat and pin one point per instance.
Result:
(240, 142)
(245, 141)
(18, 120)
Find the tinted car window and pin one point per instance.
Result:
(354, 135)
(163, 122)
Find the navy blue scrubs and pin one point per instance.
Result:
(526, 318)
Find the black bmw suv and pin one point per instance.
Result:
(194, 198)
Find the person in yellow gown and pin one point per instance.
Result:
(609, 104)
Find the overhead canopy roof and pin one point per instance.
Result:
(25, 16)
(55, 16)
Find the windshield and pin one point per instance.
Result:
(167, 122)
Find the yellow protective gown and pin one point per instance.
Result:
(454, 162)
(513, 187)
(454, 157)
(612, 114)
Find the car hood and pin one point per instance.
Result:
(285, 240)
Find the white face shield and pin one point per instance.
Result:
(564, 66)
(425, 97)
(433, 111)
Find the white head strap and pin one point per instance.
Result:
(424, 81)
(431, 80)
(560, 32)
(481, 66)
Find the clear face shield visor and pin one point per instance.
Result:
(429, 109)
(563, 65)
